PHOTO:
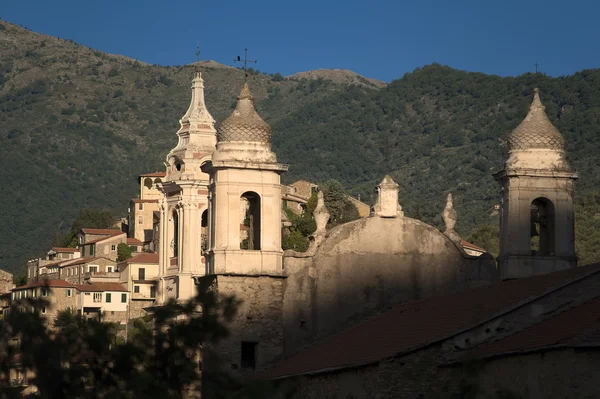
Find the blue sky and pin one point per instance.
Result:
(378, 39)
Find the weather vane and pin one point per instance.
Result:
(198, 53)
(245, 61)
(536, 66)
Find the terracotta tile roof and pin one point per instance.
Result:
(81, 261)
(43, 283)
(473, 246)
(66, 250)
(143, 258)
(109, 232)
(97, 287)
(134, 241)
(416, 324)
(571, 327)
(103, 238)
(155, 174)
(56, 263)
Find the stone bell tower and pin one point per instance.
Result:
(537, 234)
(245, 196)
(244, 256)
(184, 204)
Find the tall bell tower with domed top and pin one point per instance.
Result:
(245, 195)
(537, 233)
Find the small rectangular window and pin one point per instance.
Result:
(109, 269)
(44, 310)
(141, 207)
(141, 273)
(113, 247)
(140, 219)
(44, 291)
(69, 292)
(108, 297)
(97, 297)
(123, 298)
(248, 355)
(91, 250)
(136, 289)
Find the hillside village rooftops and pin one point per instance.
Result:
(81, 261)
(65, 250)
(97, 287)
(142, 258)
(45, 283)
(417, 324)
(103, 238)
(110, 232)
(133, 241)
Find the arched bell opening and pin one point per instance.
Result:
(250, 221)
(542, 227)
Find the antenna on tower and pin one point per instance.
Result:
(245, 61)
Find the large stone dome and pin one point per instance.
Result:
(536, 131)
(244, 124)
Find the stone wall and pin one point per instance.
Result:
(258, 319)
(136, 308)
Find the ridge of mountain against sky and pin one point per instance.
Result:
(378, 39)
(78, 125)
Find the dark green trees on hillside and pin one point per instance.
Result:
(90, 218)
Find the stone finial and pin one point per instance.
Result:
(197, 116)
(321, 214)
(449, 218)
(245, 93)
(387, 205)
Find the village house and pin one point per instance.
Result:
(138, 274)
(60, 295)
(103, 301)
(89, 270)
(143, 208)
(100, 242)
(47, 265)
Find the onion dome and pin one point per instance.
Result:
(244, 124)
(536, 131)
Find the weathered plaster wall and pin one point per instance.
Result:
(369, 265)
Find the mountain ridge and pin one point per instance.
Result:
(77, 126)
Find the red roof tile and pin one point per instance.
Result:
(143, 258)
(134, 241)
(109, 232)
(155, 174)
(43, 283)
(67, 250)
(97, 287)
(81, 261)
(144, 201)
(103, 239)
(416, 324)
(559, 330)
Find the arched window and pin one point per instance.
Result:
(542, 227)
(148, 182)
(250, 221)
(175, 243)
(157, 180)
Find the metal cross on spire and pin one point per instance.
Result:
(536, 66)
(198, 53)
(245, 61)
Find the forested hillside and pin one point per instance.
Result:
(78, 125)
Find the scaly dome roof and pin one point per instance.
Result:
(536, 130)
(244, 124)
